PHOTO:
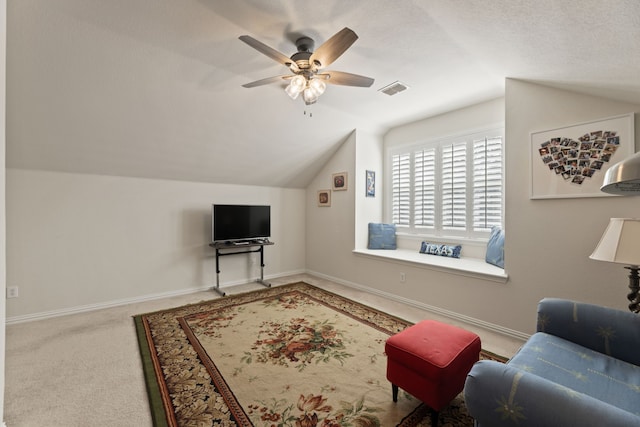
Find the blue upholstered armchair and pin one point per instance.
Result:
(581, 368)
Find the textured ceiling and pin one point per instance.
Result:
(152, 88)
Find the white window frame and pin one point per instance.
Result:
(438, 231)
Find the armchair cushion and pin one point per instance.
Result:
(613, 332)
(498, 394)
(579, 369)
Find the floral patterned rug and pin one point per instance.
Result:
(288, 356)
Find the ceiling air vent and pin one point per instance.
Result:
(394, 88)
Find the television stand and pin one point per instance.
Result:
(238, 248)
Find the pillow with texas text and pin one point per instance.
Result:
(442, 250)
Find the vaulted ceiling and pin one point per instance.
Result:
(152, 88)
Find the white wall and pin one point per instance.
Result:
(369, 157)
(332, 233)
(547, 241)
(475, 118)
(3, 252)
(329, 255)
(331, 230)
(458, 122)
(78, 240)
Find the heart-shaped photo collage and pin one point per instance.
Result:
(577, 160)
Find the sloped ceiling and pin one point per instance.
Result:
(152, 88)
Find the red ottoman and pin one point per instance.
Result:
(430, 360)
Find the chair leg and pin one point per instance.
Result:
(394, 391)
(434, 418)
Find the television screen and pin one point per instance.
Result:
(240, 222)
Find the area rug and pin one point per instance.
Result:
(287, 356)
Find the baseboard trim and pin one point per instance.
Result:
(143, 298)
(433, 309)
(150, 297)
(99, 306)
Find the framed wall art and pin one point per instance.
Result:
(324, 198)
(371, 184)
(571, 161)
(339, 181)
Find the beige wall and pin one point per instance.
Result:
(369, 157)
(333, 234)
(331, 230)
(329, 255)
(79, 240)
(548, 241)
(3, 266)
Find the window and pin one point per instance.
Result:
(449, 187)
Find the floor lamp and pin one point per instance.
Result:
(620, 243)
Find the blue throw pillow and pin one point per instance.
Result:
(442, 250)
(382, 236)
(495, 247)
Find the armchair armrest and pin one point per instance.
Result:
(609, 331)
(497, 394)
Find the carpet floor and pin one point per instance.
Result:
(293, 355)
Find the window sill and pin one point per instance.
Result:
(465, 266)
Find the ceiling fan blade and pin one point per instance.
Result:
(330, 50)
(270, 52)
(346, 79)
(266, 81)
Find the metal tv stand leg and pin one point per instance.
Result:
(217, 288)
(261, 280)
(220, 245)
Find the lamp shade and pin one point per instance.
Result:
(620, 242)
(623, 177)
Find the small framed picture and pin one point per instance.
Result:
(339, 181)
(324, 198)
(371, 184)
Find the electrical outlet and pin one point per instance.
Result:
(403, 277)
(12, 292)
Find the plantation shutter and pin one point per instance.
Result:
(487, 183)
(454, 186)
(425, 188)
(401, 188)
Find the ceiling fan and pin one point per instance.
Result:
(309, 78)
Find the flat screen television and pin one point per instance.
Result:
(240, 222)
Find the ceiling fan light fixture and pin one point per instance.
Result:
(309, 96)
(318, 86)
(292, 91)
(299, 82)
(296, 85)
(306, 63)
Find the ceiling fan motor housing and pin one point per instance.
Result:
(305, 44)
(305, 50)
(301, 59)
